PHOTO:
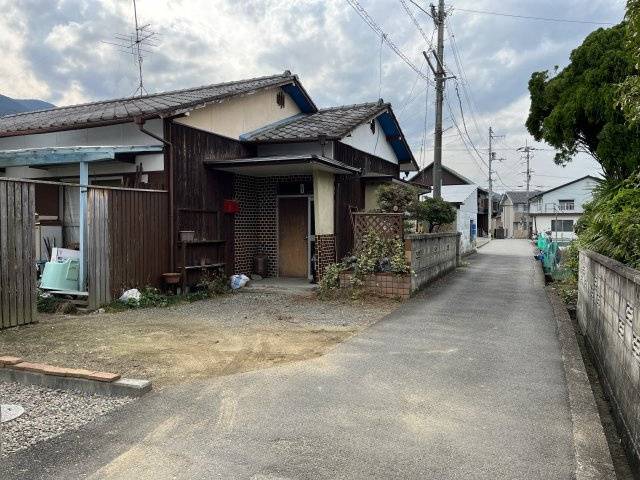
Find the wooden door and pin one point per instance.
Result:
(293, 230)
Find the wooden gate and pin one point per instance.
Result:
(18, 277)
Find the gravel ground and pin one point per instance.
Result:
(48, 413)
(219, 336)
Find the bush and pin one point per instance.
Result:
(47, 303)
(434, 211)
(610, 224)
(394, 198)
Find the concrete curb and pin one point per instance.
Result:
(593, 458)
(124, 387)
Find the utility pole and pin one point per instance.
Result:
(527, 152)
(492, 158)
(440, 76)
(490, 207)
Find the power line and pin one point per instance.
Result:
(527, 17)
(428, 41)
(359, 9)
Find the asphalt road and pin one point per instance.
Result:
(464, 381)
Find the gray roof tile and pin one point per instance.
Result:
(333, 122)
(125, 109)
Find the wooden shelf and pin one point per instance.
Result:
(204, 267)
(204, 242)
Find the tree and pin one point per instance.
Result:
(577, 111)
(630, 88)
(435, 211)
(394, 198)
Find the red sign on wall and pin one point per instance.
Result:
(231, 206)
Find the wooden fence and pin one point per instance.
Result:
(387, 225)
(18, 277)
(127, 240)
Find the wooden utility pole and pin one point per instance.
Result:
(440, 76)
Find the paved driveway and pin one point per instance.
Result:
(465, 381)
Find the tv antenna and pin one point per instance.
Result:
(136, 44)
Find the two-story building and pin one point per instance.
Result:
(557, 210)
(514, 212)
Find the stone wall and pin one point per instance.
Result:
(431, 255)
(609, 317)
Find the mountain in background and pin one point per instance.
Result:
(10, 105)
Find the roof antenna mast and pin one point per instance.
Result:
(136, 44)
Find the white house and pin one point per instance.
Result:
(557, 210)
(465, 199)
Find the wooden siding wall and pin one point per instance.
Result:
(368, 163)
(197, 187)
(128, 241)
(349, 198)
(18, 288)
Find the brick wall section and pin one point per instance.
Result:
(256, 224)
(325, 252)
(388, 285)
(609, 317)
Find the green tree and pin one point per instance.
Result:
(630, 88)
(394, 198)
(434, 211)
(577, 109)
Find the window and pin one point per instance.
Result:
(520, 207)
(562, 225)
(566, 204)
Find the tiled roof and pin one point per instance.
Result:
(521, 196)
(126, 109)
(333, 122)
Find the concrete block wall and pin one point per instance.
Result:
(431, 255)
(609, 317)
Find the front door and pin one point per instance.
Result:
(293, 235)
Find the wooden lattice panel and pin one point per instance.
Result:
(388, 225)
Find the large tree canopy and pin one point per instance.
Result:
(577, 109)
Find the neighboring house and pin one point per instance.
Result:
(514, 213)
(464, 199)
(251, 166)
(558, 209)
(424, 178)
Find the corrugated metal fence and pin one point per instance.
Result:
(127, 240)
(18, 277)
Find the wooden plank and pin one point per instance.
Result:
(25, 254)
(34, 273)
(13, 266)
(4, 267)
(104, 258)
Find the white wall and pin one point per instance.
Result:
(120, 134)
(323, 202)
(468, 211)
(542, 223)
(373, 143)
(581, 192)
(237, 115)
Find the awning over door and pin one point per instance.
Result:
(281, 165)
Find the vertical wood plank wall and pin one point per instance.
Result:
(128, 241)
(18, 289)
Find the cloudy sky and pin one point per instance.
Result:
(56, 51)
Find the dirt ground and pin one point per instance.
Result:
(221, 336)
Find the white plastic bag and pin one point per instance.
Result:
(238, 281)
(131, 295)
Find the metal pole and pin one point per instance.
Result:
(84, 181)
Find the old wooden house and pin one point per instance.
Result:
(250, 166)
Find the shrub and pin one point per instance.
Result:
(610, 224)
(47, 303)
(434, 211)
(394, 198)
